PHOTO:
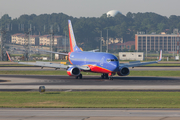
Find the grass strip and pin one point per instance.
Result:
(156, 73)
(90, 99)
(59, 72)
(164, 65)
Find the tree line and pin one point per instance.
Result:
(88, 29)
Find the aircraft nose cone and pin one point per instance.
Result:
(115, 66)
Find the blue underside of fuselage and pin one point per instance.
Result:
(98, 59)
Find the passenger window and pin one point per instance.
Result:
(124, 55)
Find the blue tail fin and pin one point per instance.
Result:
(73, 46)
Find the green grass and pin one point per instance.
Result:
(161, 64)
(155, 73)
(89, 99)
(59, 72)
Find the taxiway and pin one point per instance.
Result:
(61, 83)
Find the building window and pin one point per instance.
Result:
(139, 55)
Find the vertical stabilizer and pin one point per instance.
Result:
(73, 46)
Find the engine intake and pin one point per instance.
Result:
(73, 71)
(123, 71)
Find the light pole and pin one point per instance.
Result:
(107, 41)
(101, 42)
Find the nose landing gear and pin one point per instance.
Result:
(105, 76)
(111, 76)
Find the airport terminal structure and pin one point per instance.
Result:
(157, 42)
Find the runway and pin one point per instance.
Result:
(88, 114)
(88, 83)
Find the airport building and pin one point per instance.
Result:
(156, 42)
(22, 39)
(44, 40)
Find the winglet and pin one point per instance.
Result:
(8, 56)
(160, 56)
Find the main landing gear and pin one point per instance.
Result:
(105, 76)
(79, 76)
(110, 77)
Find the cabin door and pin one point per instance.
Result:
(102, 62)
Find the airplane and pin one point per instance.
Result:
(90, 61)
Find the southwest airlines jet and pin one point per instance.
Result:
(88, 61)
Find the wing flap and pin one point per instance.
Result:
(45, 64)
(54, 65)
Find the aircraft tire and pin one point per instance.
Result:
(110, 78)
(102, 76)
(106, 76)
(80, 76)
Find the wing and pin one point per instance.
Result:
(95, 50)
(54, 65)
(45, 64)
(49, 64)
(135, 64)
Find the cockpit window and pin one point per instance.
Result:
(108, 60)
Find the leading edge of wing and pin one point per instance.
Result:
(54, 65)
(45, 64)
(135, 64)
(49, 64)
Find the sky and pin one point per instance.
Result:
(87, 8)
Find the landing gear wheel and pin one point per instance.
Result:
(106, 76)
(102, 76)
(80, 76)
(110, 78)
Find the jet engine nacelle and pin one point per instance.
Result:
(73, 71)
(123, 71)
